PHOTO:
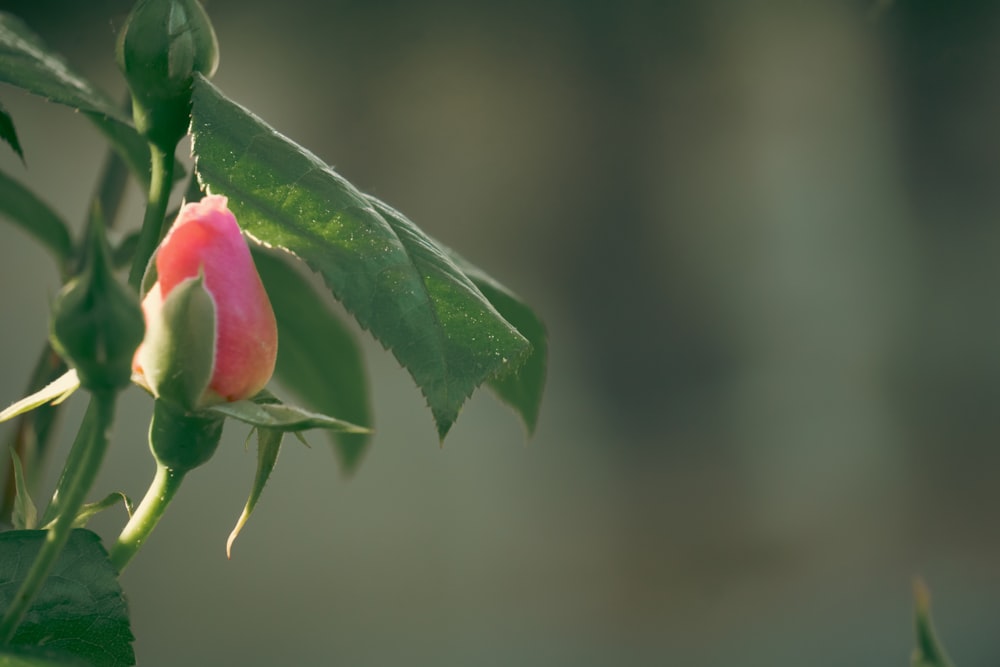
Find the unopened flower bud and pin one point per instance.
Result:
(161, 46)
(96, 320)
(211, 335)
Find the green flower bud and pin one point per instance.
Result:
(161, 46)
(96, 320)
(181, 441)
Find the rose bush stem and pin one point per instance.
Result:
(89, 447)
(160, 179)
(161, 491)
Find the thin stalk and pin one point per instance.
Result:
(146, 516)
(161, 177)
(92, 441)
(30, 439)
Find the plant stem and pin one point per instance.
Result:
(147, 515)
(91, 443)
(161, 178)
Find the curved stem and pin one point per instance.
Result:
(90, 444)
(146, 516)
(161, 177)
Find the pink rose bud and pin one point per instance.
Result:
(204, 268)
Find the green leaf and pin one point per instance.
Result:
(89, 510)
(8, 133)
(80, 609)
(25, 515)
(523, 387)
(929, 652)
(27, 63)
(55, 392)
(319, 360)
(19, 205)
(282, 417)
(268, 445)
(394, 279)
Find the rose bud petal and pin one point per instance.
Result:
(206, 242)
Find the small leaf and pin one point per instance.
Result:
(55, 392)
(282, 417)
(928, 652)
(80, 609)
(268, 445)
(319, 360)
(88, 511)
(8, 133)
(25, 515)
(522, 388)
(393, 278)
(24, 209)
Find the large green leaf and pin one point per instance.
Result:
(23, 208)
(26, 62)
(394, 279)
(318, 357)
(80, 610)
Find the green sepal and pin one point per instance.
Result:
(179, 351)
(54, 392)
(268, 446)
(277, 415)
(97, 322)
(180, 440)
(159, 49)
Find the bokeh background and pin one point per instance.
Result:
(765, 239)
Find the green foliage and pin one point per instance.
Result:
(523, 388)
(27, 211)
(8, 133)
(394, 279)
(27, 63)
(318, 358)
(277, 415)
(79, 612)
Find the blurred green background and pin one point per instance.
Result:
(765, 239)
